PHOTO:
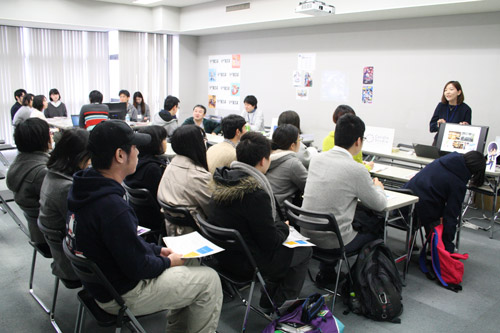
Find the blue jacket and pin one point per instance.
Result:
(441, 188)
(104, 230)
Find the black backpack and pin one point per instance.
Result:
(375, 290)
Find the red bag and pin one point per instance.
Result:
(445, 265)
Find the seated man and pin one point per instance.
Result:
(93, 113)
(334, 184)
(166, 117)
(223, 153)
(441, 188)
(198, 118)
(243, 200)
(103, 227)
(18, 95)
(131, 110)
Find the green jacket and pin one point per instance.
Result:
(210, 126)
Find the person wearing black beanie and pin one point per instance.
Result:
(441, 188)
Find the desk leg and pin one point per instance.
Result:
(16, 219)
(410, 240)
(494, 207)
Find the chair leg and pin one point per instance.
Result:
(53, 310)
(339, 268)
(79, 318)
(137, 326)
(39, 301)
(252, 286)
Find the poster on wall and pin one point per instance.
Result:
(368, 75)
(367, 96)
(306, 62)
(302, 94)
(334, 86)
(224, 82)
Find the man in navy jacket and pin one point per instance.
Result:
(103, 227)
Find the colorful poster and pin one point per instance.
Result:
(308, 81)
(224, 82)
(368, 75)
(302, 94)
(367, 96)
(297, 79)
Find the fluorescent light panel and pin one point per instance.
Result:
(145, 2)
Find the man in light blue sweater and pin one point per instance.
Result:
(334, 184)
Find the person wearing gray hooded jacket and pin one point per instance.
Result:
(26, 173)
(287, 175)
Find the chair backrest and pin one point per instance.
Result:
(228, 239)
(51, 235)
(178, 215)
(314, 221)
(140, 196)
(89, 272)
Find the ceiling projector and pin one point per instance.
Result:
(314, 7)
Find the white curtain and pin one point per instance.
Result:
(74, 62)
(143, 66)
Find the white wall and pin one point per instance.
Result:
(413, 59)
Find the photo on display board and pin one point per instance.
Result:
(212, 101)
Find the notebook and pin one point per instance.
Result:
(427, 151)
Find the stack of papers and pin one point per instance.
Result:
(296, 239)
(192, 245)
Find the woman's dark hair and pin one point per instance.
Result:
(32, 135)
(143, 104)
(342, 110)
(284, 136)
(27, 99)
(289, 117)
(458, 86)
(38, 102)
(188, 140)
(155, 147)
(201, 107)
(475, 162)
(70, 152)
(54, 91)
(252, 100)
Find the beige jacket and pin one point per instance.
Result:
(185, 184)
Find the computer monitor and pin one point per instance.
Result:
(117, 110)
(462, 138)
(75, 119)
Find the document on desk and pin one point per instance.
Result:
(296, 239)
(192, 245)
(377, 167)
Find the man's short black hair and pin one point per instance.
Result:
(170, 102)
(253, 147)
(38, 102)
(95, 96)
(19, 93)
(32, 135)
(252, 100)
(230, 124)
(349, 128)
(201, 107)
(124, 92)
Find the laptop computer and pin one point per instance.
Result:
(75, 118)
(427, 151)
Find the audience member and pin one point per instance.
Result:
(131, 110)
(149, 278)
(304, 154)
(56, 108)
(26, 173)
(223, 153)
(286, 174)
(166, 117)
(253, 116)
(334, 184)
(69, 156)
(243, 200)
(329, 141)
(18, 95)
(39, 105)
(441, 188)
(185, 181)
(24, 112)
(93, 113)
(198, 119)
(148, 174)
(141, 106)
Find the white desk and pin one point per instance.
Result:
(404, 156)
(214, 139)
(60, 122)
(392, 172)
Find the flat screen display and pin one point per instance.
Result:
(462, 138)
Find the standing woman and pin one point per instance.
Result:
(451, 109)
(69, 156)
(185, 181)
(56, 108)
(253, 116)
(141, 106)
